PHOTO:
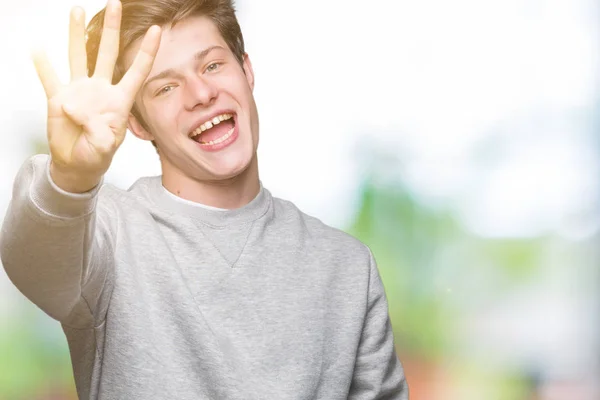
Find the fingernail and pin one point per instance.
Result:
(78, 13)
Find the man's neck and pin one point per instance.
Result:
(229, 194)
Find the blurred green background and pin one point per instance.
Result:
(460, 141)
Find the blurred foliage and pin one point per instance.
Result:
(405, 239)
(35, 359)
(427, 259)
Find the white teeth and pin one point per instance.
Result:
(222, 138)
(209, 124)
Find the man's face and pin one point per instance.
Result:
(197, 103)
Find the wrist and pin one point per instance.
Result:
(73, 181)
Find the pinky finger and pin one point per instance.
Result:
(46, 73)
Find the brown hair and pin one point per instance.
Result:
(139, 15)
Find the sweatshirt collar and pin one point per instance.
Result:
(253, 210)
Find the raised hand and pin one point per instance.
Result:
(87, 119)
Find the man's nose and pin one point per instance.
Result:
(199, 92)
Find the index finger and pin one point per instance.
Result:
(142, 64)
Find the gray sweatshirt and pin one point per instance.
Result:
(160, 299)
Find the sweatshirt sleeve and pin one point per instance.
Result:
(378, 373)
(56, 248)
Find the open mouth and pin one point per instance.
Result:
(215, 131)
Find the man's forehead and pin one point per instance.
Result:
(187, 37)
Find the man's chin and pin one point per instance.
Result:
(217, 168)
(228, 174)
(225, 172)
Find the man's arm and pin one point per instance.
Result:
(378, 373)
(50, 245)
(54, 247)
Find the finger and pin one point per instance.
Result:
(109, 43)
(142, 64)
(77, 52)
(46, 73)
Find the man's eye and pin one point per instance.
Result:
(213, 67)
(164, 90)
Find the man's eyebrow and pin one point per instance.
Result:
(164, 74)
(199, 56)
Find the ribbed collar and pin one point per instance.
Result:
(247, 213)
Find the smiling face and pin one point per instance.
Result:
(197, 105)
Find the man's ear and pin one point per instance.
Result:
(248, 71)
(138, 129)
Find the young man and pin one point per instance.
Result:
(196, 284)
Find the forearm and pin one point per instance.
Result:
(47, 243)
